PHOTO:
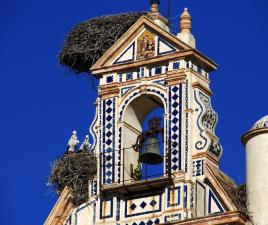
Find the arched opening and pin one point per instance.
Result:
(135, 121)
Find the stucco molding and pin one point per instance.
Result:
(250, 134)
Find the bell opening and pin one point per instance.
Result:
(146, 162)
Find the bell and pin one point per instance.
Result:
(151, 152)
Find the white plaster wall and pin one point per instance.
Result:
(83, 215)
(131, 157)
(200, 200)
(257, 178)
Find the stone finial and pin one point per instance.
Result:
(72, 143)
(156, 16)
(185, 34)
(185, 21)
(154, 5)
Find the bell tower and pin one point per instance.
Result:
(149, 68)
(154, 134)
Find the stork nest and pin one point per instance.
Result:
(74, 170)
(88, 41)
(240, 194)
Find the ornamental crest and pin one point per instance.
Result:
(146, 45)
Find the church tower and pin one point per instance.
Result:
(149, 68)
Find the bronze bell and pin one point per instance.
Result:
(151, 152)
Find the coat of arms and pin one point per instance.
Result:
(146, 45)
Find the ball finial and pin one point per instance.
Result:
(154, 5)
(154, 2)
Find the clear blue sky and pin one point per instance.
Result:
(41, 105)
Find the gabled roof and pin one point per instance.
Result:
(104, 63)
(62, 208)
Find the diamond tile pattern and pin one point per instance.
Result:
(175, 114)
(153, 203)
(108, 140)
(143, 205)
(147, 222)
(133, 207)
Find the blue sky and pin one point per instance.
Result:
(41, 104)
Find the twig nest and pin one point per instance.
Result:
(74, 170)
(89, 40)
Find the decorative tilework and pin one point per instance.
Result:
(142, 72)
(207, 120)
(166, 68)
(158, 70)
(175, 125)
(188, 64)
(198, 168)
(129, 76)
(185, 198)
(109, 79)
(176, 65)
(108, 140)
(94, 213)
(210, 118)
(174, 196)
(119, 154)
(216, 149)
(93, 185)
(118, 200)
(201, 143)
(164, 47)
(192, 197)
(186, 125)
(106, 208)
(214, 204)
(143, 205)
(146, 222)
(127, 56)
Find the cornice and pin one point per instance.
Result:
(253, 133)
(191, 54)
